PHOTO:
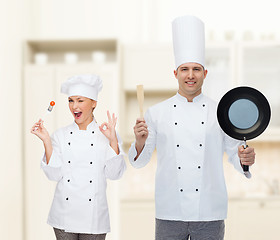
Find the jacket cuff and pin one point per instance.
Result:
(52, 163)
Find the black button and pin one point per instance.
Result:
(71, 132)
(181, 190)
(175, 123)
(196, 190)
(179, 167)
(200, 145)
(174, 105)
(89, 199)
(69, 161)
(92, 131)
(91, 144)
(203, 105)
(177, 145)
(90, 181)
(68, 180)
(202, 122)
(69, 143)
(90, 163)
(67, 198)
(198, 166)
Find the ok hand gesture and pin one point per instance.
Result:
(108, 129)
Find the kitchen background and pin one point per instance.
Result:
(128, 42)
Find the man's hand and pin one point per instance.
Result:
(247, 155)
(141, 133)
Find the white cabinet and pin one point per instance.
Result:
(39, 90)
(138, 219)
(259, 67)
(220, 63)
(253, 219)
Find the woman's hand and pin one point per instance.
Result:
(40, 131)
(108, 129)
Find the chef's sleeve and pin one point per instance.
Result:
(115, 163)
(53, 168)
(146, 154)
(231, 148)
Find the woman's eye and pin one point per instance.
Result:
(70, 100)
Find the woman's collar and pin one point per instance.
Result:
(91, 125)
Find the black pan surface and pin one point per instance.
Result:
(243, 113)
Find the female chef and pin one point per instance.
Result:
(80, 157)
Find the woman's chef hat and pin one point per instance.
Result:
(82, 85)
(188, 40)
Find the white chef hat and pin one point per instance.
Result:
(188, 40)
(88, 85)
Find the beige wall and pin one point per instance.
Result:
(11, 147)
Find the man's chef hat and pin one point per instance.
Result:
(188, 40)
(82, 85)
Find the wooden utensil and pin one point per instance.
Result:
(140, 98)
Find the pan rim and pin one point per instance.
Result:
(251, 94)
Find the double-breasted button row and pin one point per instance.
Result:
(90, 199)
(201, 123)
(89, 162)
(199, 145)
(181, 168)
(91, 132)
(68, 180)
(181, 190)
(69, 143)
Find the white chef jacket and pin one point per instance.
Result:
(189, 184)
(81, 162)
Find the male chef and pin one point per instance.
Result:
(190, 191)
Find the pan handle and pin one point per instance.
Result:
(245, 167)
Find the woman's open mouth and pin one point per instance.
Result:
(77, 114)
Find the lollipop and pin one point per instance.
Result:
(50, 108)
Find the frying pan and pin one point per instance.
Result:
(243, 113)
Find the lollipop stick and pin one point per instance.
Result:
(140, 98)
